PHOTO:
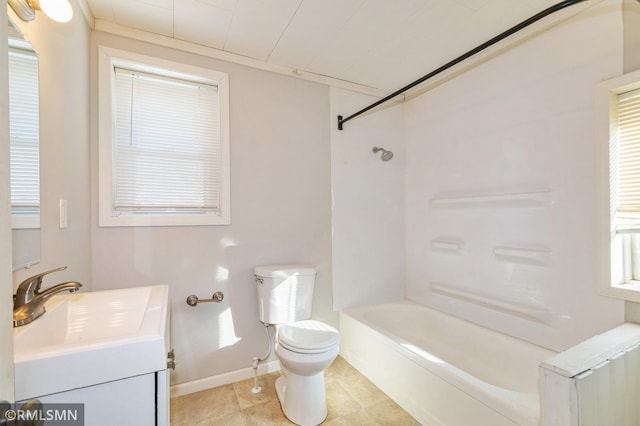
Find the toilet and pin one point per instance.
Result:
(304, 347)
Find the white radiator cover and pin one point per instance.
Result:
(594, 383)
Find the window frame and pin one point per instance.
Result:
(607, 243)
(108, 58)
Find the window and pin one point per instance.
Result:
(625, 191)
(624, 185)
(163, 143)
(24, 137)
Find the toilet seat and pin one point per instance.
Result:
(308, 337)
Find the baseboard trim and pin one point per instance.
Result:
(222, 379)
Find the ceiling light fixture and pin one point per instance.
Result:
(57, 10)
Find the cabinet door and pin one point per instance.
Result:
(163, 396)
(130, 401)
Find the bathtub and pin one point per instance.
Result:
(441, 369)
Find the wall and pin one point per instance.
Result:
(63, 56)
(631, 25)
(6, 308)
(280, 213)
(367, 203)
(518, 123)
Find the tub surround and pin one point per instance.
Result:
(498, 189)
(368, 208)
(501, 181)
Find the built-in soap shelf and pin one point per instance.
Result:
(534, 314)
(446, 245)
(523, 255)
(514, 200)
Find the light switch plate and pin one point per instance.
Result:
(63, 214)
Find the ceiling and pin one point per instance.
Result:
(383, 44)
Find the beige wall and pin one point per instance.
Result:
(6, 333)
(280, 213)
(631, 23)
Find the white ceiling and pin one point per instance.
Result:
(384, 44)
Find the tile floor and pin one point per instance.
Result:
(351, 400)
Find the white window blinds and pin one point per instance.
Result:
(166, 145)
(24, 132)
(628, 153)
(625, 161)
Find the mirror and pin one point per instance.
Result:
(25, 149)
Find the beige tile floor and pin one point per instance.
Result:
(351, 400)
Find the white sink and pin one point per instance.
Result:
(90, 338)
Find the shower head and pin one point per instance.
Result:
(386, 155)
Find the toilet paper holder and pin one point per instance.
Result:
(193, 300)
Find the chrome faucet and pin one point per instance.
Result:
(28, 302)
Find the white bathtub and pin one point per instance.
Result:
(441, 369)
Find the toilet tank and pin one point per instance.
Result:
(285, 292)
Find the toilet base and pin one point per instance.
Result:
(302, 398)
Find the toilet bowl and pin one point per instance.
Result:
(305, 349)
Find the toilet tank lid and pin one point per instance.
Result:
(284, 270)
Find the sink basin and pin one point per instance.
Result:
(90, 338)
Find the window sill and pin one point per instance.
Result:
(164, 220)
(25, 221)
(629, 292)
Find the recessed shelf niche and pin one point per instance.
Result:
(530, 313)
(515, 200)
(445, 245)
(523, 255)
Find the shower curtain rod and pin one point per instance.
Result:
(470, 53)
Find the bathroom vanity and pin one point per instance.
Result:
(107, 350)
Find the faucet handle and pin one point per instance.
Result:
(28, 283)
